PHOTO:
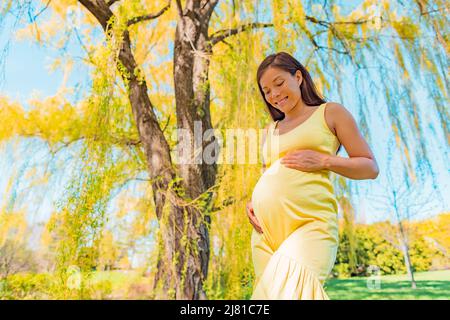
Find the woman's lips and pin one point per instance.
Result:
(282, 101)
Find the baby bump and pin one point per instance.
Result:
(280, 183)
(283, 194)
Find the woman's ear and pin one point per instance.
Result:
(299, 77)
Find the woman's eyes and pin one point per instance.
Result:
(278, 85)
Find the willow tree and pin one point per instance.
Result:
(216, 48)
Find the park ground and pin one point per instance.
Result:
(430, 285)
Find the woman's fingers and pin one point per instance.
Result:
(252, 217)
(255, 223)
(258, 228)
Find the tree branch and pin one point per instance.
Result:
(100, 10)
(179, 8)
(115, 140)
(222, 34)
(42, 10)
(111, 2)
(148, 16)
(328, 23)
(208, 8)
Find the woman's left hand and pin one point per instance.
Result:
(305, 160)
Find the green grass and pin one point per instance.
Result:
(430, 285)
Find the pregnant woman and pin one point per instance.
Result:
(293, 208)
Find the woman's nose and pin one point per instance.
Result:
(275, 94)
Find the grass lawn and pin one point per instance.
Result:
(430, 285)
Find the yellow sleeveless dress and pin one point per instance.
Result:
(297, 211)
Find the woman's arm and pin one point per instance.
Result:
(361, 163)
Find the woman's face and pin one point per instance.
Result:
(281, 89)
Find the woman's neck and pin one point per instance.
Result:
(298, 111)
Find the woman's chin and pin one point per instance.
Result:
(284, 109)
(281, 109)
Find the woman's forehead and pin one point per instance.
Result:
(271, 74)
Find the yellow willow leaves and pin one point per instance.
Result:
(146, 42)
(406, 152)
(400, 60)
(416, 120)
(405, 27)
(284, 35)
(53, 119)
(225, 20)
(108, 249)
(6, 6)
(250, 6)
(48, 236)
(230, 81)
(297, 13)
(157, 75)
(320, 79)
(127, 8)
(12, 117)
(279, 13)
(103, 58)
(35, 179)
(348, 227)
(141, 225)
(60, 7)
(49, 28)
(330, 40)
(127, 203)
(426, 63)
(239, 105)
(13, 226)
(152, 37)
(438, 230)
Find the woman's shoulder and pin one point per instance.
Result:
(334, 111)
(338, 115)
(334, 106)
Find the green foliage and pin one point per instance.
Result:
(27, 286)
(373, 248)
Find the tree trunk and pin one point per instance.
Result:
(183, 261)
(405, 250)
(409, 267)
(192, 95)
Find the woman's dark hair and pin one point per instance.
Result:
(286, 62)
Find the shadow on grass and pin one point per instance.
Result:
(358, 289)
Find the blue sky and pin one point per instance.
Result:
(26, 74)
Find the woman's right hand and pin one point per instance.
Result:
(252, 217)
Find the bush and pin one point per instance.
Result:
(372, 248)
(27, 286)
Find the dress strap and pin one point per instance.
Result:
(274, 126)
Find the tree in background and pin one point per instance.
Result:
(14, 258)
(402, 203)
(348, 234)
(435, 233)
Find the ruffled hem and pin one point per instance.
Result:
(286, 279)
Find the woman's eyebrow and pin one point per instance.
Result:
(273, 80)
